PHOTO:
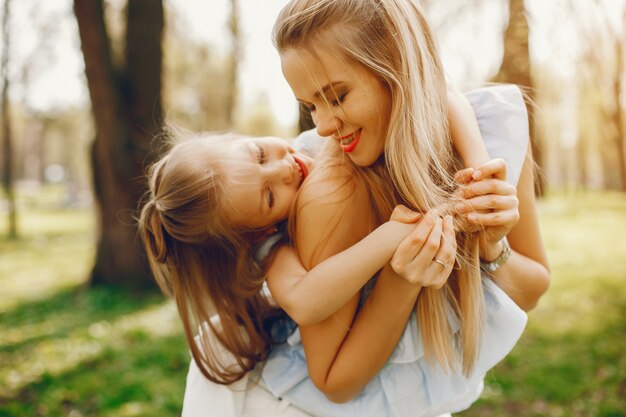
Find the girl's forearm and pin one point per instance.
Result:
(310, 297)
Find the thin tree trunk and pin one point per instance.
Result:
(516, 69)
(235, 57)
(618, 116)
(7, 140)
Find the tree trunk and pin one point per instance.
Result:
(235, 57)
(7, 140)
(618, 115)
(516, 69)
(126, 106)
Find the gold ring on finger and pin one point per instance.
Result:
(445, 265)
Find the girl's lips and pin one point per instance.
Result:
(304, 171)
(349, 142)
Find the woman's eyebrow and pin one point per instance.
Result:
(327, 87)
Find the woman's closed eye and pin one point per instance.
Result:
(338, 100)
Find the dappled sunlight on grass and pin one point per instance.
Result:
(55, 250)
(570, 361)
(74, 345)
(67, 350)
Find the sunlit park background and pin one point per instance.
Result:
(83, 331)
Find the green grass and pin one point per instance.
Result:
(66, 350)
(571, 360)
(69, 351)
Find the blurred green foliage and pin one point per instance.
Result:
(69, 351)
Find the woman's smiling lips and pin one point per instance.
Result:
(349, 142)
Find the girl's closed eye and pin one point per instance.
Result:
(262, 157)
(270, 198)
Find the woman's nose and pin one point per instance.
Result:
(326, 123)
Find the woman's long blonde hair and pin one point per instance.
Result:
(392, 39)
(202, 262)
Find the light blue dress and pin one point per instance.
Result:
(409, 386)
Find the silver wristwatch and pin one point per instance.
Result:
(504, 256)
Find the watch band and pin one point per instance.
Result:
(500, 260)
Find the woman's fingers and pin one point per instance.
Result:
(498, 218)
(487, 203)
(464, 176)
(489, 186)
(444, 259)
(496, 168)
(411, 245)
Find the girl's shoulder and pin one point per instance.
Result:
(332, 213)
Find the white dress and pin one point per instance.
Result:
(407, 386)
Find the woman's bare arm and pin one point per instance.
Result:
(344, 352)
(503, 210)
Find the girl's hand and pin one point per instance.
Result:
(426, 257)
(490, 205)
(403, 214)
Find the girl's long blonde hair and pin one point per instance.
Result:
(392, 39)
(202, 262)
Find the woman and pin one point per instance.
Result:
(395, 150)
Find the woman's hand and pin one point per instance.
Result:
(490, 205)
(427, 255)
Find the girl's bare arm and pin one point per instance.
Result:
(312, 296)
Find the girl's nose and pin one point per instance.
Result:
(282, 170)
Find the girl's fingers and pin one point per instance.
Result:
(496, 168)
(403, 214)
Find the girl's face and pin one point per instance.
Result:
(347, 102)
(262, 177)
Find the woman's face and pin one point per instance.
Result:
(347, 102)
(262, 176)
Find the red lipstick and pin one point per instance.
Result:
(352, 144)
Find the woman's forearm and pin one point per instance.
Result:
(523, 279)
(341, 370)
